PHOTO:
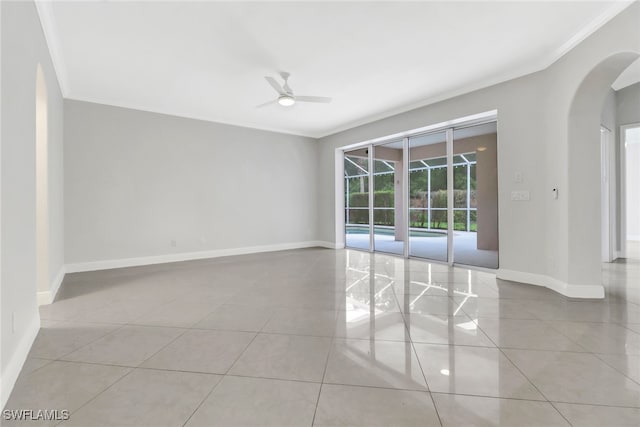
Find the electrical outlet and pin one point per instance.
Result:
(173, 243)
(520, 195)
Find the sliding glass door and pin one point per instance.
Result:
(356, 203)
(387, 198)
(431, 195)
(475, 189)
(428, 196)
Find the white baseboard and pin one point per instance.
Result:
(566, 289)
(188, 256)
(11, 372)
(633, 237)
(47, 297)
(329, 245)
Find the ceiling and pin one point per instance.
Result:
(628, 77)
(207, 60)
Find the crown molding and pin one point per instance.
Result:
(533, 67)
(593, 26)
(50, 29)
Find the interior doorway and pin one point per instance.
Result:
(606, 192)
(630, 139)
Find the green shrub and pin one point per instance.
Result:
(359, 200)
(386, 199)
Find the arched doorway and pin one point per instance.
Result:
(584, 169)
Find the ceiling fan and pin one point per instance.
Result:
(286, 98)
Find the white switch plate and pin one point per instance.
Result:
(520, 195)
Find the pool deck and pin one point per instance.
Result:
(435, 248)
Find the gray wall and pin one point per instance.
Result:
(546, 241)
(513, 116)
(23, 47)
(628, 105)
(136, 181)
(609, 111)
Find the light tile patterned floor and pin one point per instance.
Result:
(330, 338)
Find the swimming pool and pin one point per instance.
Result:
(387, 231)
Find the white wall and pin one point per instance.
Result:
(136, 181)
(538, 238)
(23, 47)
(513, 116)
(608, 115)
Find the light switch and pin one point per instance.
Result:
(518, 177)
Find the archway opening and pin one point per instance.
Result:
(588, 161)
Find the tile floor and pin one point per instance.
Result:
(331, 338)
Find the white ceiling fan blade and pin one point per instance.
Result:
(322, 99)
(274, 84)
(275, 101)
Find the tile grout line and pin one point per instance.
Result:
(49, 361)
(549, 324)
(202, 401)
(352, 385)
(113, 332)
(184, 331)
(131, 368)
(415, 353)
(626, 326)
(526, 377)
(595, 354)
(324, 372)
(600, 405)
(413, 346)
(101, 392)
(560, 412)
(61, 357)
(520, 399)
(223, 375)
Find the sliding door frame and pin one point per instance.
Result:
(370, 146)
(405, 196)
(450, 204)
(372, 227)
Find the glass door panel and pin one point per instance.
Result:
(356, 192)
(387, 199)
(475, 192)
(428, 196)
